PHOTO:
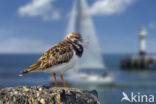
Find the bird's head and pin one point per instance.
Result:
(75, 37)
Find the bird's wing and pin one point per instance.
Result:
(58, 54)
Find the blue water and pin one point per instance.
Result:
(128, 81)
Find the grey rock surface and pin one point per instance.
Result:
(47, 95)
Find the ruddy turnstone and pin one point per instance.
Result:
(59, 58)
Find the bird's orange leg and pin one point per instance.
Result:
(54, 75)
(64, 84)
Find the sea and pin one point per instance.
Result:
(135, 84)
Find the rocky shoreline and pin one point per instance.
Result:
(47, 95)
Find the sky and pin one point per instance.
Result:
(33, 26)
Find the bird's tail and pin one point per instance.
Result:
(23, 72)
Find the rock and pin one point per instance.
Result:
(47, 95)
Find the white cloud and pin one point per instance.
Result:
(109, 7)
(23, 45)
(42, 8)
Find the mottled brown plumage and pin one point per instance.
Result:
(59, 58)
(60, 53)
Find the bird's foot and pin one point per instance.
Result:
(66, 86)
(58, 85)
(62, 86)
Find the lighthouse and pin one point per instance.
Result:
(142, 61)
(142, 37)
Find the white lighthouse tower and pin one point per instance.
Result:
(142, 36)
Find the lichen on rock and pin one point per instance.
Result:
(47, 95)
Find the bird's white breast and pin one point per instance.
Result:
(64, 66)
